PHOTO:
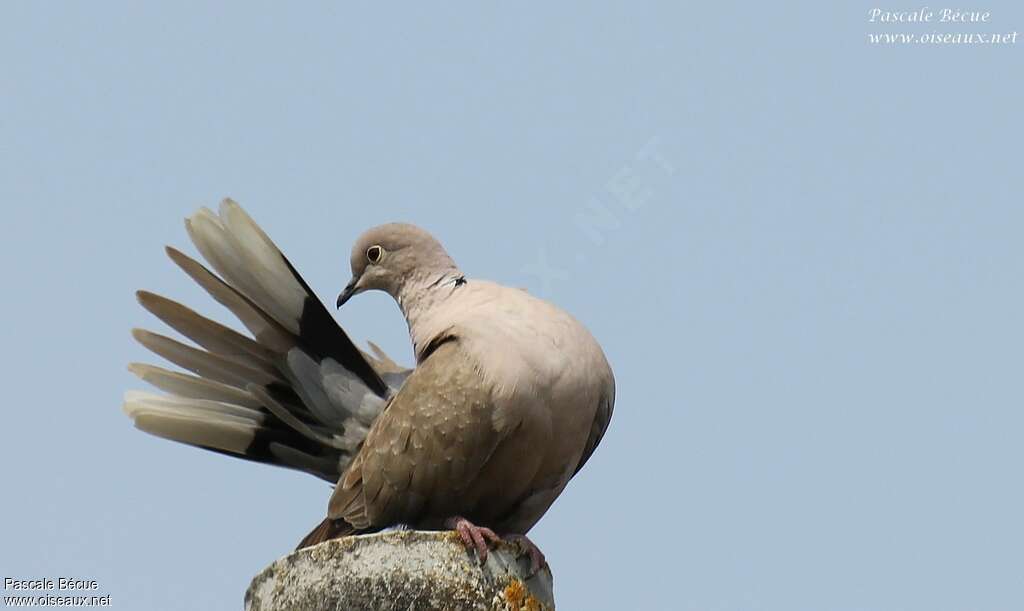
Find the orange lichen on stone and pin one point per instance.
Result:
(515, 593)
(519, 598)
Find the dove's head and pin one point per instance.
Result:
(388, 257)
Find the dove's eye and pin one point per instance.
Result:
(374, 253)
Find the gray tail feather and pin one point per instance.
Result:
(325, 531)
(297, 394)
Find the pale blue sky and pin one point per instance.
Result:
(801, 252)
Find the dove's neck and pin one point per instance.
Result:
(420, 298)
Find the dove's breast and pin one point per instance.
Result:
(547, 376)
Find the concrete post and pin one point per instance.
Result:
(399, 570)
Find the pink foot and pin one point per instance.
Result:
(537, 560)
(473, 536)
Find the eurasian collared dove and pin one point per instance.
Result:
(509, 397)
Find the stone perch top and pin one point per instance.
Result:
(400, 570)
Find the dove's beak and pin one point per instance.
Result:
(350, 289)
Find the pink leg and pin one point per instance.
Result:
(537, 560)
(473, 536)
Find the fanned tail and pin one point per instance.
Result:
(297, 393)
